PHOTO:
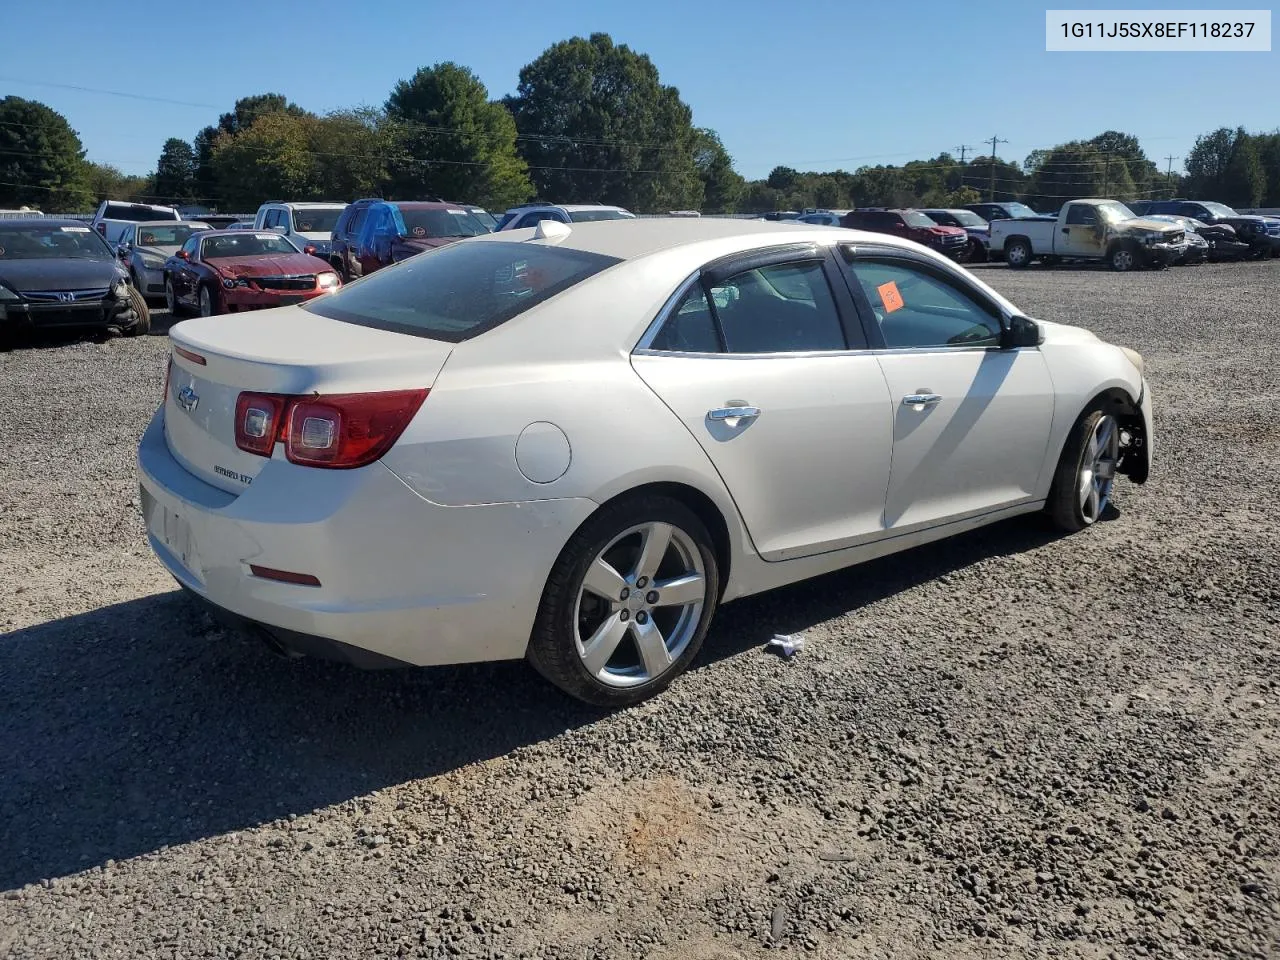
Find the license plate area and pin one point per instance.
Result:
(172, 530)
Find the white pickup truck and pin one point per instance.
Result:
(114, 216)
(1104, 230)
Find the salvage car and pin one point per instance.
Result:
(1261, 233)
(308, 224)
(1089, 229)
(396, 230)
(1198, 248)
(221, 271)
(144, 247)
(60, 273)
(426, 467)
(911, 225)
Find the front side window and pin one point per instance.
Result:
(1081, 214)
(167, 234)
(781, 308)
(460, 291)
(916, 307)
(189, 248)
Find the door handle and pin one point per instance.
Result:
(921, 399)
(741, 412)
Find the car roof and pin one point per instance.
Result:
(235, 233)
(632, 239)
(307, 203)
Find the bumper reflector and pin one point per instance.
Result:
(284, 576)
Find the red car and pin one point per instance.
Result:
(218, 271)
(912, 225)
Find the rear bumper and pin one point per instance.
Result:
(402, 577)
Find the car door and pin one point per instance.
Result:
(373, 248)
(970, 419)
(1081, 234)
(351, 243)
(763, 360)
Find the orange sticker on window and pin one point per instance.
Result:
(890, 296)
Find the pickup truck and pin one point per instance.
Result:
(1103, 230)
(114, 216)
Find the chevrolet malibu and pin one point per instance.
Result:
(572, 443)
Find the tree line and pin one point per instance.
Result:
(590, 121)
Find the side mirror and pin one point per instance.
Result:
(183, 255)
(309, 250)
(123, 251)
(1021, 331)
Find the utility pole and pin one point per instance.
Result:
(994, 140)
(1106, 174)
(1169, 175)
(963, 148)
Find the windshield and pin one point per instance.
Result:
(967, 218)
(127, 211)
(51, 243)
(1016, 210)
(316, 219)
(456, 292)
(1113, 212)
(440, 223)
(485, 217)
(915, 218)
(590, 216)
(1219, 209)
(166, 235)
(504, 220)
(247, 245)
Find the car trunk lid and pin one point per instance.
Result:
(285, 351)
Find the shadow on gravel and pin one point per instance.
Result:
(141, 724)
(161, 321)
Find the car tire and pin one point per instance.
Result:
(1018, 253)
(208, 303)
(142, 313)
(1123, 258)
(1085, 478)
(977, 252)
(171, 298)
(641, 643)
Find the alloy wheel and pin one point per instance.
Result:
(1098, 468)
(170, 297)
(639, 605)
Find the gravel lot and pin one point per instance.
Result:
(1007, 745)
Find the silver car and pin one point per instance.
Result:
(144, 247)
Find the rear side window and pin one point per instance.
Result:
(460, 291)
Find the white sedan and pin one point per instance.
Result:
(572, 443)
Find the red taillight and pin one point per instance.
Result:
(339, 431)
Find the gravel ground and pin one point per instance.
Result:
(1007, 745)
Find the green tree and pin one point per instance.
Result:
(722, 186)
(1269, 155)
(176, 171)
(1071, 171)
(349, 154)
(106, 182)
(1207, 164)
(451, 141)
(1125, 149)
(241, 117)
(41, 158)
(1244, 180)
(597, 124)
(269, 159)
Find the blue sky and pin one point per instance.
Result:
(818, 85)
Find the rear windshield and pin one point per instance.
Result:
(484, 216)
(125, 211)
(459, 291)
(164, 235)
(316, 219)
(589, 216)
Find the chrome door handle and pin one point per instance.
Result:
(921, 399)
(734, 413)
